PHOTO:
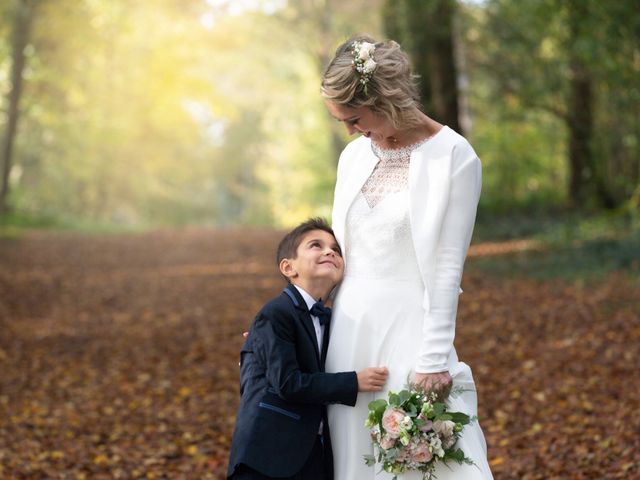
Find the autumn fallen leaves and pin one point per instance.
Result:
(118, 359)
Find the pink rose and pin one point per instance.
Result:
(391, 421)
(420, 452)
(387, 442)
(403, 455)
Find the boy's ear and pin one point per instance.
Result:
(287, 269)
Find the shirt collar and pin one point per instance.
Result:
(308, 299)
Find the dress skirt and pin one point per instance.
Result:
(378, 322)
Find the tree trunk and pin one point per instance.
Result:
(22, 22)
(425, 30)
(583, 176)
(418, 41)
(443, 72)
(580, 121)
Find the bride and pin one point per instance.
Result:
(404, 207)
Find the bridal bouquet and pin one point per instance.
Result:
(414, 431)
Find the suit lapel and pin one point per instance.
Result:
(325, 344)
(303, 314)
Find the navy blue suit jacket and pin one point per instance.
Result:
(284, 390)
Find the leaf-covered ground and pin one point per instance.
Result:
(118, 358)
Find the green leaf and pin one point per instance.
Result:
(457, 455)
(403, 396)
(392, 453)
(443, 417)
(370, 460)
(419, 422)
(439, 409)
(378, 404)
(459, 417)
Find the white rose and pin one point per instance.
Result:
(435, 443)
(369, 66)
(435, 446)
(449, 442)
(366, 50)
(444, 428)
(407, 423)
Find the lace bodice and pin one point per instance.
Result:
(391, 174)
(378, 235)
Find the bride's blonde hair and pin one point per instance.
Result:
(391, 90)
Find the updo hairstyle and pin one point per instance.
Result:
(391, 91)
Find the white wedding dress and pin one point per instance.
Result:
(377, 321)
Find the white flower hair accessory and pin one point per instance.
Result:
(363, 61)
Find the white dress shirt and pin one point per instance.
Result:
(310, 301)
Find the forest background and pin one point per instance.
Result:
(137, 115)
(152, 152)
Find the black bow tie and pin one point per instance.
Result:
(323, 313)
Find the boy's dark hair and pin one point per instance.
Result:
(288, 246)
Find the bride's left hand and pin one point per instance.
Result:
(440, 383)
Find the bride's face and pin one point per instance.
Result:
(362, 120)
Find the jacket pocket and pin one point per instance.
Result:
(282, 411)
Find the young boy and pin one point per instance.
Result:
(281, 427)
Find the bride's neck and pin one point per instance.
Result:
(408, 136)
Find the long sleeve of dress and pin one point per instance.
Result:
(455, 236)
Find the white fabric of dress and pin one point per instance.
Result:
(378, 320)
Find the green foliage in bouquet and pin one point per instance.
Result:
(413, 430)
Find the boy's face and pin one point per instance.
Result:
(318, 260)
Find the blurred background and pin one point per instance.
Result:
(130, 114)
(152, 152)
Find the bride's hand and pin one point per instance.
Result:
(440, 383)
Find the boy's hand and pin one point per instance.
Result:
(372, 379)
